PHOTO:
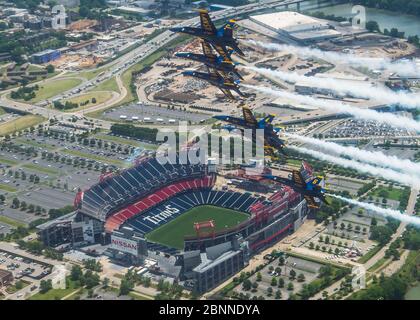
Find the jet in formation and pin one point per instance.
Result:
(272, 143)
(303, 182)
(222, 72)
(211, 60)
(221, 39)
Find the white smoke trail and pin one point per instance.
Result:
(385, 212)
(403, 68)
(387, 174)
(362, 90)
(373, 157)
(339, 107)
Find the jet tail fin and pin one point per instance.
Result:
(267, 119)
(227, 29)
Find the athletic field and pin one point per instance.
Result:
(172, 234)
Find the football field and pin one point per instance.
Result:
(172, 234)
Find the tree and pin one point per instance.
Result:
(290, 286)
(93, 265)
(281, 283)
(50, 68)
(269, 291)
(19, 284)
(273, 281)
(76, 273)
(281, 260)
(301, 277)
(105, 282)
(15, 203)
(259, 276)
(372, 26)
(254, 285)
(246, 285)
(292, 274)
(278, 295)
(45, 286)
(126, 286)
(91, 279)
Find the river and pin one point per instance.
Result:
(386, 19)
(413, 293)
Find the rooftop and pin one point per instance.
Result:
(289, 21)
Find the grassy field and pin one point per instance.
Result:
(20, 124)
(172, 233)
(89, 74)
(393, 194)
(294, 162)
(11, 222)
(52, 88)
(127, 75)
(8, 161)
(55, 294)
(35, 167)
(100, 97)
(137, 296)
(7, 188)
(108, 85)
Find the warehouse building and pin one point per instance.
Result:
(45, 56)
(296, 26)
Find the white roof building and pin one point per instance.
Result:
(296, 26)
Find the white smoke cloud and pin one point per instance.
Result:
(387, 174)
(339, 107)
(403, 68)
(385, 212)
(373, 157)
(362, 90)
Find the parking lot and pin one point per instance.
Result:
(22, 266)
(305, 272)
(46, 171)
(153, 114)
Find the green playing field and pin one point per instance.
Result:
(172, 234)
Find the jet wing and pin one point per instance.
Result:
(208, 51)
(213, 73)
(311, 202)
(228, 94)
(249, 116)
(297, 179)
(223, 52)
(206, 23)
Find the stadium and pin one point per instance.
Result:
(179, 211)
